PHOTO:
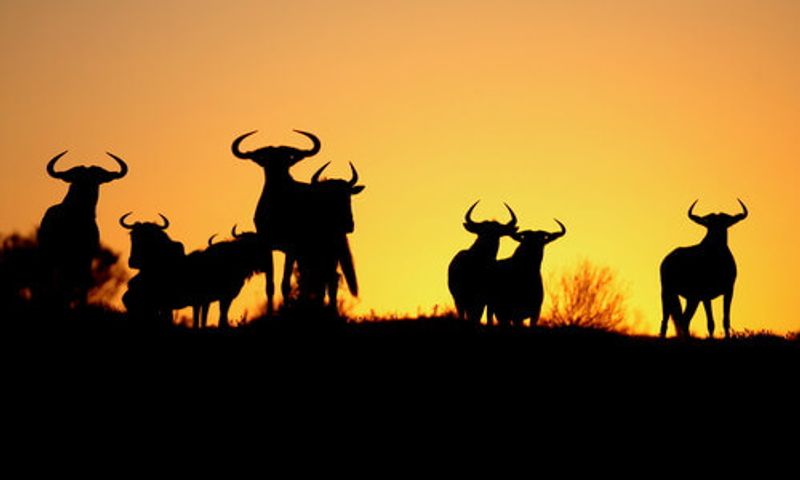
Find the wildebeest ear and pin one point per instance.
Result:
(357, 189)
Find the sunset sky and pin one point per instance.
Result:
(612, 116)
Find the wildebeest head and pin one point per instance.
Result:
(333, 208)
(276, 159)
(490, 228)
(717, 221)
(537, 239)
(83, 175)
(150, 244)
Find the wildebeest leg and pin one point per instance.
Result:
(489, 315)
(726, 312)
(224, 306)
(670, 306)
(196, 313)
(204, 314)
(535, 313)
(269, 271)
(686, 318)
(333, 290)
(474, 314)
(286, 281)
(709, 317)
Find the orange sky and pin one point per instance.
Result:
(611, 116)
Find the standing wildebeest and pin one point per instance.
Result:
(280, 209)
(68, 236)
(160, 262)
(701, 272)
(322, 240)
(468, 274)
(516, 291)
(220, 272)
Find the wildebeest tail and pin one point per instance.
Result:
(348, 270)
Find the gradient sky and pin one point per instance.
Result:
(612, 116)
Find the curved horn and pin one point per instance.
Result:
(211, 239)
(166, 222)
(468, 217)
(743, 215)
(560, 234)
(315, 177)
(314, 149)
(513, 221)
(51, 166)
(235, 146)
(128, 226)
(354, 178)
(123, 167)
(692, 216)
(233, 232)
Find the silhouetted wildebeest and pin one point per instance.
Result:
(322, 241)
(701, 272)
(299, 218)
(516, 291)
(160, 261)
(281, 208)
(468, 273)
(220, 272)
(68, 236)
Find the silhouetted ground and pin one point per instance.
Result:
(400, 343)
(412, 382)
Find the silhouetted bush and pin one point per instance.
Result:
(589, 297)
(18, 266)
(20, 270)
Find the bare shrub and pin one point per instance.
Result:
(588, 296)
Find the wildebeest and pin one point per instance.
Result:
(220, 271)
(160, 261)
(303, 220)
(468, 273)
(282, 205)
(322, 243)
(68, 237)
(700, 273)
(516, 291)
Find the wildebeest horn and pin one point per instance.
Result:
(122, 166)
(513, 221)
(742, 215)
(314, 149)
(166, 222)
(233, 232)
(51, 166)
(354, 178)
(315, 177)
(211, 239)
(692, 216)
(555, 235)
(235, 146)
(468, 217)
(122, 221)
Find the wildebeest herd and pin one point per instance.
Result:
(310, 223)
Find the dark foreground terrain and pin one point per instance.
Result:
(107, 337)
(302, 379)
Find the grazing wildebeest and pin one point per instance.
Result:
(68, 236)
(220, 273)
(516, 291)
(700, 273)
(468, 273)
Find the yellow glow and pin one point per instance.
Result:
(611, 116)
